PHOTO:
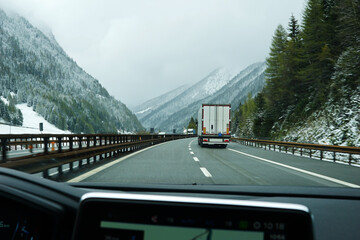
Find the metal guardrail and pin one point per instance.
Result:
(41, 152)
(303, 148)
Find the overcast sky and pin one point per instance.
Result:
(139, 49)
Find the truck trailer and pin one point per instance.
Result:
(214, 123)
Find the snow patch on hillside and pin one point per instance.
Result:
(4, 100)
(216, 81)
(142, 111)
(335, 125)
(30, 123)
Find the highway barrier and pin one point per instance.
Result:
(34, 153)
(344, 154)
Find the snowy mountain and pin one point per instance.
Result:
(200, 90)
(151, 105)
(36, 69)
(250, 80)
(177, 112)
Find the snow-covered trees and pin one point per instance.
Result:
(311, 70)
(35, 68)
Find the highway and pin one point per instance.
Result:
(184, 162)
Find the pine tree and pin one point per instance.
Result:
(275, 70)
(192, 124)
(348, 27)
(313, 42)
(294, 54)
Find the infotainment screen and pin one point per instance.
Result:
(143, 217)
(119, 230)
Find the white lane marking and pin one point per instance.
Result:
(205, 172)
(301, 170)
(192, 153)
(189, 149)
(96, 170)
(196, 159)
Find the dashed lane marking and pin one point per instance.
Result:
(196, 159)
(205, 172)
(192, 153)
(300, 170)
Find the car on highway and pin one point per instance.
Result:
(118, 183)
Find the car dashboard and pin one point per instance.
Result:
(36, 208)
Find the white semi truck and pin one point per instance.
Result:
(214, 124)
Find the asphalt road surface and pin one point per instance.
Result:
(185, 162)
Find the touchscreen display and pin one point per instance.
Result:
(131, 231)
(123, 219)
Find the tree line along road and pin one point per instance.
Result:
(184, 162)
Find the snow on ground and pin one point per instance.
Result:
(30, 123)
(337, 124)
(140, 112)
(4, 100)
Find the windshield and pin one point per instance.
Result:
(182, 92)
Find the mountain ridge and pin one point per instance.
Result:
(211, 83)
(41, 74)
(250, 79)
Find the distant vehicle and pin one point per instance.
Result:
(214, 124)
(189, 131)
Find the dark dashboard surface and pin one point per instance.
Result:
(35, 208)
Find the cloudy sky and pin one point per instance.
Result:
(139, 49)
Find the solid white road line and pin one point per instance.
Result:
(196, 159)
(99, 169)
(205, 172)
(192, 153)
(301, 170)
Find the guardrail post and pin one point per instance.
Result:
(71, 143)
(350, 158)
(321, 154)
(45, 173)
(60, 144)
(46, 142)
(60, 170)
(310, 153)
(80, 163)
(80, 142)
(87, 142)
(71, 166)
(334, 156)
(3, 149)
(301, 150)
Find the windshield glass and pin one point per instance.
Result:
(182, 92)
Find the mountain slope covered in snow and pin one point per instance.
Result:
(151, 105)
(30, 124)
(216, 88)
(204, 88)
(42, 75)
(250, 80)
